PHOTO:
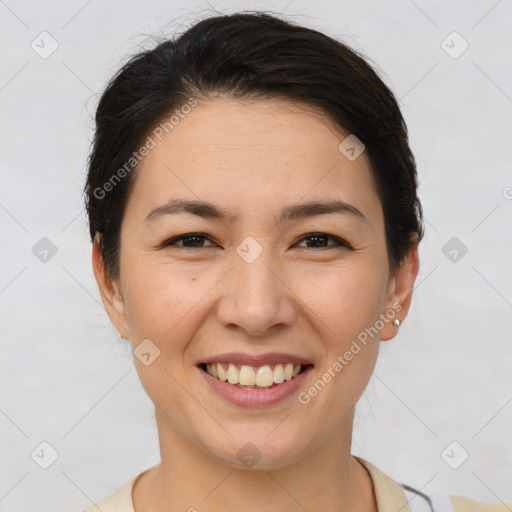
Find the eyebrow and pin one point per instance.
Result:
(208, 210)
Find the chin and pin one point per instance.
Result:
(258, 450)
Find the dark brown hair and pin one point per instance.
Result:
(250, 55)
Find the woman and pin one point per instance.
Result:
(255, 226)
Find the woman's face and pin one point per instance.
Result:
(255, 291)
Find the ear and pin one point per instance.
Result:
(400, 291)
(109, 290)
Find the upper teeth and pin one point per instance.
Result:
(263, 376)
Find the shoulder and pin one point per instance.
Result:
(462, 504)
(119, 501)
(426, 502)
(391, 495)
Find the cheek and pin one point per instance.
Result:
(163, 300)
(345, 299)
(341, 299)
(343, 305)
(159, 296)
(162, 303)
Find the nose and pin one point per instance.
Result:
(256, 298)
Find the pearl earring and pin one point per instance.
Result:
(397, 323)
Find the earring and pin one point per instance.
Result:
(120, 337)
(397, 323)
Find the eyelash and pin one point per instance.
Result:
(339, 241)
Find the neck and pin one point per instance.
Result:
(189, 478)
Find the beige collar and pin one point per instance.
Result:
(388, 493)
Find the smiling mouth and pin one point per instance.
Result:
(251, 377)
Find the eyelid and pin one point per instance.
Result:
(173, 241)
(340, 242)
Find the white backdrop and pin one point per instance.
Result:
(67, 380)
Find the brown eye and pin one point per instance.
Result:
(319, 240)
(189, 241)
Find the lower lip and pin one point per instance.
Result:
(255, 397)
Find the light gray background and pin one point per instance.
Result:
(68, 380)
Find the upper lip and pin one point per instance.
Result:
(269, 358)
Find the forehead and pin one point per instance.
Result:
(244, 153)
